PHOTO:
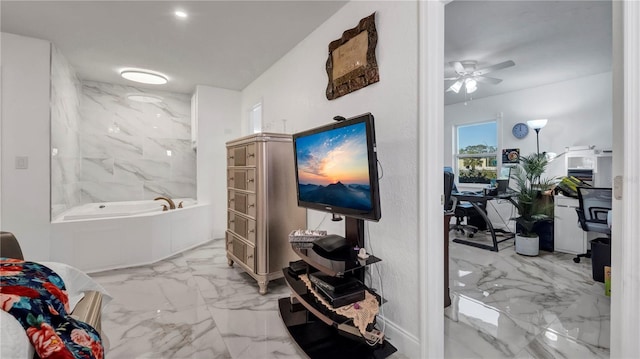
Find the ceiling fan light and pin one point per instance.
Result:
(456, 86)
(471, 85)
(537, 124)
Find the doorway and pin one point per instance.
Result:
(431, 114)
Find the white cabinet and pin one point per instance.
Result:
(568, 237)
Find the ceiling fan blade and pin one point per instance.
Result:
(488, 80)
(457, 66)
(455, 87)
(495, 67)
(451, 78)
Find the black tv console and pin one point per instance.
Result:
(318, 331)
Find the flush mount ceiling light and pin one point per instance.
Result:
(143, 97)
(181, 14)
(144, 76)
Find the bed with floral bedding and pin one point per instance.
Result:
(36, 299)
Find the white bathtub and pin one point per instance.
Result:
(125, 234)
(118, 209)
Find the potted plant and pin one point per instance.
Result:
(535, 205)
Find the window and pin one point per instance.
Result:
(255, 118)
(477, 152)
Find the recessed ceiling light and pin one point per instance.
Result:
(181, 14)
(143, 97)
(144, 76)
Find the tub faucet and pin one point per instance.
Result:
(171, 204)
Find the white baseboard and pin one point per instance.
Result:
(406, 343)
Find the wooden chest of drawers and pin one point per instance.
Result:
(261, 205)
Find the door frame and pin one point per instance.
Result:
(625, 314)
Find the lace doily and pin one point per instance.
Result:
(362, 317)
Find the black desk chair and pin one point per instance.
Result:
(449, 201)
(461, 210)
(594, 205)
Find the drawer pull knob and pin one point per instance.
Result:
(231, 157)
(251, 230)
(232, 221)
(250, 180)
(232, 200)
(251, 155)
(252, 205)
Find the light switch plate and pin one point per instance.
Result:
(22, 162)
(617, 187)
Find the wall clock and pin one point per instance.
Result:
(520, 130)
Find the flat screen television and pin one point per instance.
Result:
(336, 168)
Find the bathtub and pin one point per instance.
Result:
(101, 236)
(119, 209)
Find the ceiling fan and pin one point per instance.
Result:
(469, 76)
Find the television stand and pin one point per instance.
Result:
(319, 331)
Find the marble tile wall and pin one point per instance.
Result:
(65, 139)
(133, 150)
(106, 147)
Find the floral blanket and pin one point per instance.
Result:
(36, 296)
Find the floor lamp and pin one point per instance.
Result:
(537, 125)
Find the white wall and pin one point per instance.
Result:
(579, 113)
(218, 115)
(294, 89)
(25, 132)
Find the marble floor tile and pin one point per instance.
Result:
(587, 321)
(509, 305)
(486, 330)
(194, 305)
(551, 345)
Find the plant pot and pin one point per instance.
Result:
(544, 230)
(528, 246)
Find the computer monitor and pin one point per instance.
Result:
(503, 179)
(505, 173)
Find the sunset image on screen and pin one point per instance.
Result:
(333, 167)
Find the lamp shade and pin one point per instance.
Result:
(537, 124)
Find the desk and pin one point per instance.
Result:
(478, 201)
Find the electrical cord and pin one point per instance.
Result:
(384, 325)
(321, 222)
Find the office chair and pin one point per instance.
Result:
(594, 205)
(460, 209)
(449, 201)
